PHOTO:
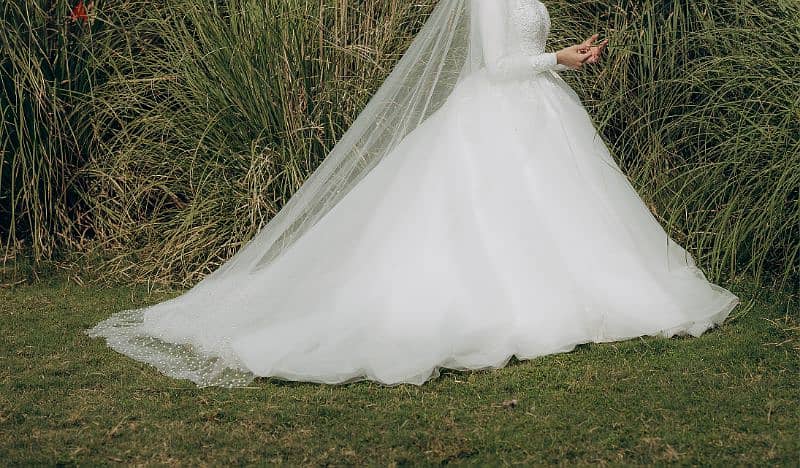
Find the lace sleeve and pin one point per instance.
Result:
(500, 63)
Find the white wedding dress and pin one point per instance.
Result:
(499, 226)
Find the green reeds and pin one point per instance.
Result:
(700, 104)
(190, 122)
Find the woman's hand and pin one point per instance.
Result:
(574, 57)
(596, 51)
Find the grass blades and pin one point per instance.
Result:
(729, 397)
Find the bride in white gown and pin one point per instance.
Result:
(472, 213)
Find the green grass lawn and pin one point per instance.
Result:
(730, 396)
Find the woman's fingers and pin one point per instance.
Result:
(597, 52)
(577, 55)
(588, 42)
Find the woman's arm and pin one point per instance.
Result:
(501, 65)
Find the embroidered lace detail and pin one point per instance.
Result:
(531, 23)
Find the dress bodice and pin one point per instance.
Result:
(529, 25)
(513, 36)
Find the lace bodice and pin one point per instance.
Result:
(513, 35)
(530, 26)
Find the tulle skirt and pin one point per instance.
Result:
(500, 227)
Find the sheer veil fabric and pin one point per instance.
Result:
(471, 213)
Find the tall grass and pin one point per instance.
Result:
(238, 106)
(198, 119)
(42, 64)
(50, 65)
(701, 104)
